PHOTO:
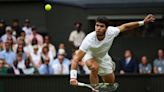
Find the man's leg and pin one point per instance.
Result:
(93, 66)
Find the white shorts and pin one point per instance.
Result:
(106, 65)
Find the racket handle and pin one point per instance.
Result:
(80, 84)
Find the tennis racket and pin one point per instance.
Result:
(101, 87)
(88, 86)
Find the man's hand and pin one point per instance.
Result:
(73, 82)
(149, 18)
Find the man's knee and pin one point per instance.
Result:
(93, 66)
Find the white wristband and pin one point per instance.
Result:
(141, 23)
(73, 74)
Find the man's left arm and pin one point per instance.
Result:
(132, 25)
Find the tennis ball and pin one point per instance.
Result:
(48, 7)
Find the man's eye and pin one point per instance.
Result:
(101, 26)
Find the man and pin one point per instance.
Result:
(129, 64)
(158, 63)
(35, 36)
(16, 27)
(94, 50)
(76, 36)
(27, 27)
(61, 63)
(8, 34)
(46, 68)
(145, 67)
(52, 49)
(8, 55)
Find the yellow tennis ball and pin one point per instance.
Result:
(48, 7)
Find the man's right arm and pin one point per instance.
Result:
(74, 63)
(131, 25)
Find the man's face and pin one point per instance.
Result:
(46, 39)
(7, 45)
(61, 58)
(27, 24)
(15, 24)
(127, 54)
(34, 32)
(160, 53)
(61, 46)
(1, 25)
(100, 29)
(19, 58)
(144, 60)
(23, 34)
(77, 26)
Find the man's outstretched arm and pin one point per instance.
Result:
(74, 64)
(132, 25)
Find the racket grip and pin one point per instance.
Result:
(80, 84)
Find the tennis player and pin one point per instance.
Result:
(94, 50)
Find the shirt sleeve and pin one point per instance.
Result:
(85, 45)
(113, 31)
(155, 63)
(150, 67)
(71, 37)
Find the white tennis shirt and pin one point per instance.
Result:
(91, 45)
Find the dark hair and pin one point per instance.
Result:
(103, 19)
(19, 54)
(27, 61)
(15, 20)
(45, 47)
(17, 50)
(77, 22)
